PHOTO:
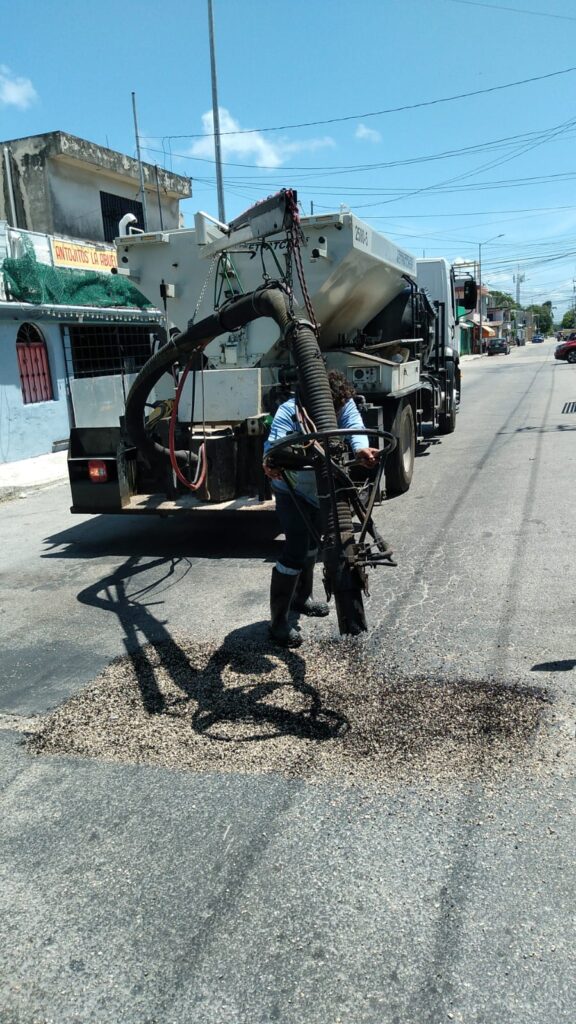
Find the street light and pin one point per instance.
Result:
(480, 244)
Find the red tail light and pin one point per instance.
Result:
(97, 471)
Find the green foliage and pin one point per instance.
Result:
(568, 320)
(542, 317)
(501, 300)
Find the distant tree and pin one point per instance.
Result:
(542, 317)
(501, 300)
(568, 320)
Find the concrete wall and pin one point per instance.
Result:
(57, 179)
(30, 430)
(31, 193)
(75, 201)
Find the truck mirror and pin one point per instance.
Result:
(470, 294)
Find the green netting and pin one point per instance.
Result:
(27, 280)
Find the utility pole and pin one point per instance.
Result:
(519, 278)
(142, 192)
(480, 244)
(216, 119)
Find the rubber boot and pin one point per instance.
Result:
(282, 590)
(303, 601)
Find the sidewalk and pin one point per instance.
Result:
(18, 477)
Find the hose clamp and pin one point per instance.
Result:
(294, 325)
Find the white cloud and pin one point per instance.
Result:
(253, 147)
(15, 91)
(369, 134)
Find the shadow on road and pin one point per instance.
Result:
(555, 666)
(248, 708)
(245, 535)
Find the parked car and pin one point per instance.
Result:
(496, 345)
(566, 349)
(537, 339)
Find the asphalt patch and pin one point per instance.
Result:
(325, 710)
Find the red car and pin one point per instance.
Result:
(566, 349)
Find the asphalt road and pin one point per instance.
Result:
(140, 894)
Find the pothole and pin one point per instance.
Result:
(325, 710)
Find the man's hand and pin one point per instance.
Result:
(271, 472)
(368, 457)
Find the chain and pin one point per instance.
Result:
(288, 277)
(203, 290)
(295, 238)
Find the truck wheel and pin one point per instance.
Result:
(571, 357)
(447, 420)
(400, 463)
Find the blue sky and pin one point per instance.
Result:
(438, 178)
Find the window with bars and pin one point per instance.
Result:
(97, 350)
(113, 209)
(33, 365)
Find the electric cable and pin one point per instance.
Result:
(513, 10)
(378, 113)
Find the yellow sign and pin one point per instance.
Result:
(82, 257)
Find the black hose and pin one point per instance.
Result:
(268, 301)
(319, 404)
(343, 574)
(344, 577)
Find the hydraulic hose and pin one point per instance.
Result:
(339, 548)
(343, 575)
(268, 301)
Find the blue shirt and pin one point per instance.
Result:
(286, 422)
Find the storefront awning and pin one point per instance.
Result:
(487, 332)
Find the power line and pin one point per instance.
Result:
(374, 113)
(472, 187)
(514, 10)
(545, 136)
(260, 184)
(477, 213)
(329, 170)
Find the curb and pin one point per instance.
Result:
(8, 493)
(24, 490)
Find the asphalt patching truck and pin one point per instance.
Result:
(254, 310)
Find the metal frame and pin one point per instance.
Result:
(335, 474)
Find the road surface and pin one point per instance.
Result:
(423, 875)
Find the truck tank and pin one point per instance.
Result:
(351, 273)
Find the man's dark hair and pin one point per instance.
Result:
(341, 388)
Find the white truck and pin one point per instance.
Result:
(254, 309)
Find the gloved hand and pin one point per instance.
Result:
(368, 457)
(272, 472)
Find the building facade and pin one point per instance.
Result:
(60, 328)
(67, 318)
(59, 184)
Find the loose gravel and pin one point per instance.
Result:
(327, 710)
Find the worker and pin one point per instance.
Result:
(293, 575)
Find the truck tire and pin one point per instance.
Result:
(447, 419)
(400, 463)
